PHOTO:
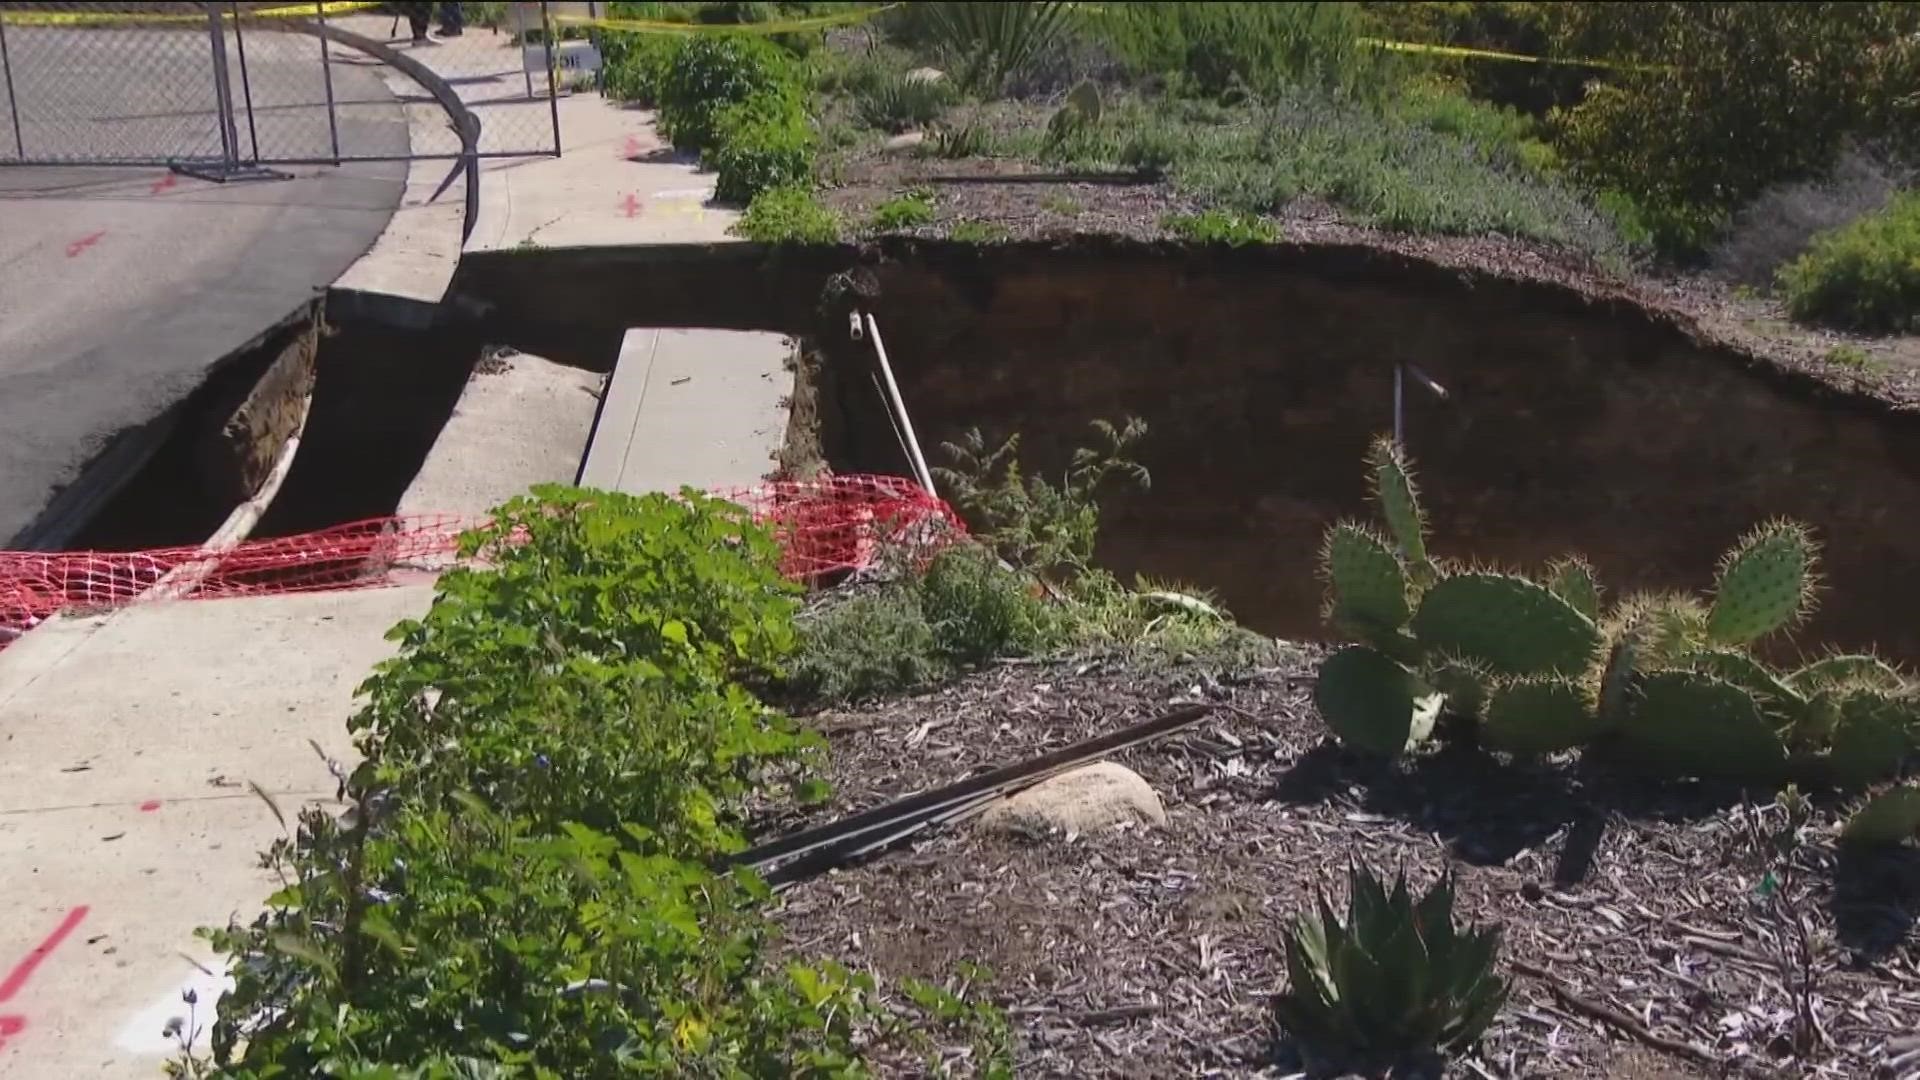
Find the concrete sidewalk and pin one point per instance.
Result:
(128, 740)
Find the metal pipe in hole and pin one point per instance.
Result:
(900, 409)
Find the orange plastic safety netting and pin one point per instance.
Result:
(824, 526)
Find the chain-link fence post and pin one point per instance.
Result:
(229, 167)
(13, 100)
(553, 81)
(326, 77)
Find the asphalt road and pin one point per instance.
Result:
(121, 288)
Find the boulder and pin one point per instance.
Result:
(926, 75)
(1083, 800)
(906, 141)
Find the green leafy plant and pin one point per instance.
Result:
(962, 610)
(1393, 983)
(902, 101)
(1222, 227)
(633, 67)
(955, 141)
(788, 215)
(1863, 276)
(909, 210)
(764, 143)
(992, 43)
(1216, 49)
(1029, 521)
(710, 72)
(1543, 667)
(977, 232)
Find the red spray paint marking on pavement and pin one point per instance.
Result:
(150, 806)
(164, 183)
(84, 243)
(631, 204)
(631, 149)
(22, 971)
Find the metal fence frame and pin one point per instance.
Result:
(232, 163)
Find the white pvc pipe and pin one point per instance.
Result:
(920, 469)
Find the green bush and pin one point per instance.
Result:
(1715, 102)
(763, 143)
(1863, 276)
(908, 211)
(634, 66)
(1214, 49)
(788, 215)
(711, 72)
(963, 610)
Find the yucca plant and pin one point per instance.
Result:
(1394, 982)
(994, 42)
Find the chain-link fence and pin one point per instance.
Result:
(232, 86)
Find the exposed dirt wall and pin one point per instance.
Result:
(1572, 423)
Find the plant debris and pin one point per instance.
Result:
(1650, 928)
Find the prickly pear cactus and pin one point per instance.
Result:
(1400, 505)
(1886, 819)
(1765, 584)
(1872, 738)
(1572, 580)
(1783, 705)
(1464, 682)
(1372, 703)
(1689, 724)
(1367, 589)
(1535, 716)
(1510, 624)
(1859, 668)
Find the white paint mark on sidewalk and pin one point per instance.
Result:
(149, 1032)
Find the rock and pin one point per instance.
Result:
(1082, 800)
(907, 141)
(926, 75)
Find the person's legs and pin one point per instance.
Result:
(452, 20)
(418, 18)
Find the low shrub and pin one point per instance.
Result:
(1863, 276)
(896, 102)
(788, 215)
(1221, 49)
(763, 143)
(1776, 228)
(977, 232)
(1222, 227)
(708, 73)
(633, 67)
(907, 211)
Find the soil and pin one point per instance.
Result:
(1020, 200)
(1638, 939)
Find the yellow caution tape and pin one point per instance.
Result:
(1494, 54)
(651, 26)
(112, 18)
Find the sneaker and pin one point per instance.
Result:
(454, 32)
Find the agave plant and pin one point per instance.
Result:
(1395, 981)
(994, 42)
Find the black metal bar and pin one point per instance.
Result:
(246, 84)
(222, 92)
(930, 803)
(553, 83)
(326, 76)
(13, 101)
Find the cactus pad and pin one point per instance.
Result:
(1368, 590)
(1511, 624)
(1872, 737)
(1619, 676)
(1689, 724)
(1764, 584)
(1886, 819)
(1847, 668)
(1572, 580)
(1464, 683)
(1372, 703)
(1399, 499)
(1780, 702)
(1535, 716)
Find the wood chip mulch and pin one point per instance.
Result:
(1641, 936)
